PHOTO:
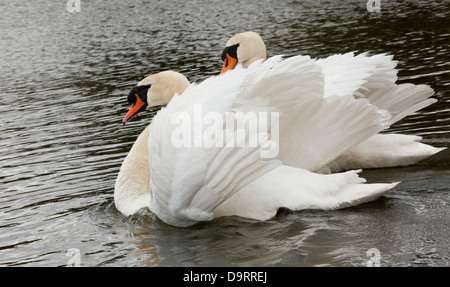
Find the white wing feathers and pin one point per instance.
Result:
(312, 131)
(324, 130)
(347, 74)
(284, 82)
(402, 100)
(191, 182)
(374, 77)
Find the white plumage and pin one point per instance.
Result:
(191, 184)
(367, 76)
(331, 112)
(374, 78)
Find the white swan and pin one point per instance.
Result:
(194, 182)
(363, 76)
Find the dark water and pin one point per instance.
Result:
(63, 86)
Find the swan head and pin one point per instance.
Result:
(243, 48)
(155, 90)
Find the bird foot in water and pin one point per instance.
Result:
(283, 211)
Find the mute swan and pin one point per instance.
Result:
(194, 182)
(371, 77)
(132, 184)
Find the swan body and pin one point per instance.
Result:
(132, 190)
(363, 76)
(195, 182)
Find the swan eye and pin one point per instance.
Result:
(231, 51)
(140, 91)
(229, 58)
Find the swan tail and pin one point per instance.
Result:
(353, 190)
(355, 194)
(299, 189)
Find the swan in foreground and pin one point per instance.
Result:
(187, 166)
(363, 76)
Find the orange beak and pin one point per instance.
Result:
(135, 108)
(228, 64)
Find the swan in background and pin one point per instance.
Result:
(363, 76)
(194, 182)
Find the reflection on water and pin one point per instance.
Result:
(65, 77)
